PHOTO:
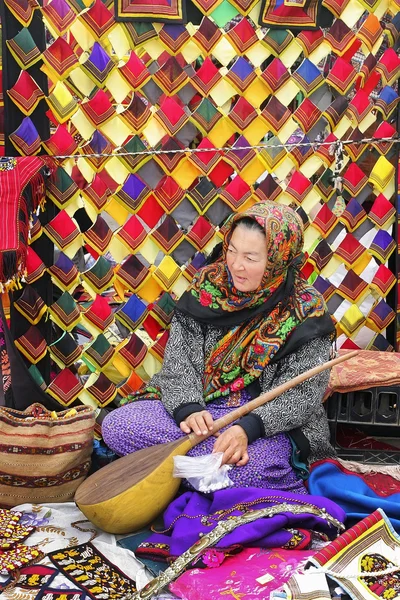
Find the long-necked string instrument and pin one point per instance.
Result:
(131, 492)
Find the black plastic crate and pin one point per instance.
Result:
(375, 412)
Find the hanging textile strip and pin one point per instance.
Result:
(22, 190)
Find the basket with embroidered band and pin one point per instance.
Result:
(44, 456)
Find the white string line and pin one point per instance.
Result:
(153, 151)
(335, 575)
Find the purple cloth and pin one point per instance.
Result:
(193, 513)
(144, 423)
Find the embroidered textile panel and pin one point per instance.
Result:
(168, 128)
(370, 546)
(89, 569)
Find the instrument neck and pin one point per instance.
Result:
(236, 414)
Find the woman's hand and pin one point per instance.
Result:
(233, 443)
(200, 423)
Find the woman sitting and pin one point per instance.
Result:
(248, 323)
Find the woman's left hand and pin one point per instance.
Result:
(233, 443)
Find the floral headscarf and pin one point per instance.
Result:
(213, 286)
(262, 322)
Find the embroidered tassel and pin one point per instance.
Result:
(9, 265)
(38, 191)
(12, 268)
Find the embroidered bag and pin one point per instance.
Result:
(44, 456)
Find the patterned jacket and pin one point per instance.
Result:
(180, 382)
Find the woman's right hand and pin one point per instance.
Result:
(200, 423)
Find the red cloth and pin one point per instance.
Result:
(16, 174)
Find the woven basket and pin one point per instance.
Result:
(43, 459)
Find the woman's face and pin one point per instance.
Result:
(246, 258)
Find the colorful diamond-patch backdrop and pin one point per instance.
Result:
(171, 125)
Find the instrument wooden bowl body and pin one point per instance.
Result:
(130, 493)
